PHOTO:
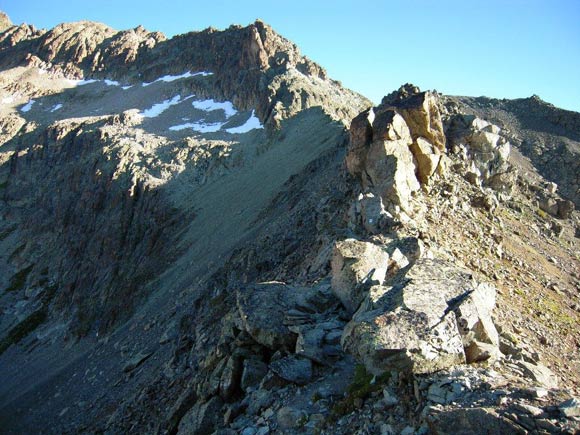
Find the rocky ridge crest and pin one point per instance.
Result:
(396, 277)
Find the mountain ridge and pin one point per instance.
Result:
(208, 235)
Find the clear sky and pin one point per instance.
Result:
(497, 48)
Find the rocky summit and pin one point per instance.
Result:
(208, 235)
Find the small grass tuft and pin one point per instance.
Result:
(362, 385)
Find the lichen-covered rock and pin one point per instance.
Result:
(412, 325)
(262, 308)
(356, 264)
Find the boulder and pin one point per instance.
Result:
(412, 325)
(202, 419)
(539, 373)
(379, 155)
(373, 213)
(355, 266)
(486, 149)
(475, 324)
(570, 408)
(262, 308)
(427, 158)
(361, 134)
(293, 369)
(253, 372)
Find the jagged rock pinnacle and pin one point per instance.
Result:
(5, 21)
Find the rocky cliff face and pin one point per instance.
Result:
(208, 235)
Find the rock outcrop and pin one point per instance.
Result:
(397, 147)
(485, 151)
(427, 319)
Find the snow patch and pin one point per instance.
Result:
(159, 108)
(172, 78)
(126, 87)
(199, 127)
(7, 100)
(111, 82)
(252, 123)
(27, 106)
(211, 105)
(56, 107)
(84, 82)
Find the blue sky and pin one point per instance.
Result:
(502, 49)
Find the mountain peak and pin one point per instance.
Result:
(5, 21)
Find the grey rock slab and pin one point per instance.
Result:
(262, 308)
(539, 373)
(253, 372)
(412, 325)
(202, 418)
(570, 408)
(293, 369)
(355, 266)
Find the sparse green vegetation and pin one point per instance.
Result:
(363, 384)
(316, 397)
(21, 330)
(542, 214)
(19, 279)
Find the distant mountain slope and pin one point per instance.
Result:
(549, 136)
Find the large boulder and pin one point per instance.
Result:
(422, 322)
(356, 266)
(262, 308)
(396, 145)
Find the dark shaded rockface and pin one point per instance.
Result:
(549, 136)
(255, 67)
(109, 231)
